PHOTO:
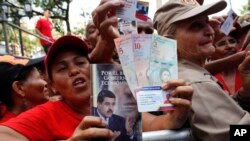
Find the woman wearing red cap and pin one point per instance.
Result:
(67, 65)
(68, 69)
(22, 86)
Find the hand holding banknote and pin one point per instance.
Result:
(104, 17)
(181, 96)
(106, 23)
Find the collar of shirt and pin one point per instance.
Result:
(102, 116)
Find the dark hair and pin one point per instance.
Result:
(40, 67)
(16, 73)
(24, 73)
(104, 93)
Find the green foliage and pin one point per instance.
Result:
(58, 26)
(79, 31)
(244, 11)
(60, 15)
(30, 45)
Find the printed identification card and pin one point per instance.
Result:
(228, 24)
(153, 98)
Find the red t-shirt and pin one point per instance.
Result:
(50, 121)
(7, 116)
(45, 27)
(237, 82)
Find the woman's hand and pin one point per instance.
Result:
(91, 127)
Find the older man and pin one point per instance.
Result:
(212, 109)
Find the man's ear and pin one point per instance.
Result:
(18, 87)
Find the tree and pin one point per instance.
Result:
(60, 14)
(245, 11)
(81, 29)
(59, 9)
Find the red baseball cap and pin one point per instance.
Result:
(66, 41)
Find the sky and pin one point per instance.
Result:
(77, 6)
(237, 6)
(88, 5)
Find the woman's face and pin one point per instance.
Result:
(195, 39)
(71, 77)
(92, 34)
(35, 88)
(225, 47)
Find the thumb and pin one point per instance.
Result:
(91, 121)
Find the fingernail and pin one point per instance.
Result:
(171, 99)
(164, 86)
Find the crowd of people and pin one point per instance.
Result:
(212, 92)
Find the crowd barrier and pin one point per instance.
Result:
(184, 134)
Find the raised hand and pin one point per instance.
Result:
(181, 96)
(244, 69)
(105, 19)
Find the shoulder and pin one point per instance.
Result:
(193, 73)
(94, 111)
(50, 104)
(45, 109)
(43, 20)
(117, 117)
(40, 19)
(199, 78)
(37, 123)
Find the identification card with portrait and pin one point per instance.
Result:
(127, 27)
(127, 18)
(128, 11)
(153, 98)
(227, 26)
